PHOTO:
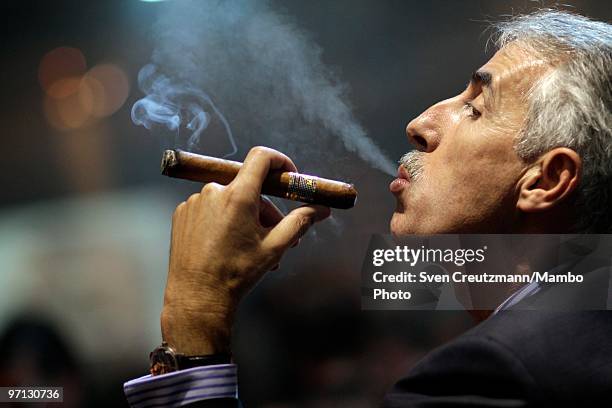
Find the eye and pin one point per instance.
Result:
(472, 111)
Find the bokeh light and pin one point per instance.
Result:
(72, 110)
(108, 86)
(58, 64)
(74, 97)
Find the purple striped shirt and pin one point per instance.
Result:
(183, 387)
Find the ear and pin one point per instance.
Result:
(552, 178)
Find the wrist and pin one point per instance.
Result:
(193, 332)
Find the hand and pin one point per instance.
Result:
(223, 241)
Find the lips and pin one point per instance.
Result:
(403, 173)
(401, 182)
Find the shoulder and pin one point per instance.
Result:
(473, 370)
(516, 358)
(563, 351)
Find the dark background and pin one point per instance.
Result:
(85, 215)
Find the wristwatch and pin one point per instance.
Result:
(164, 359)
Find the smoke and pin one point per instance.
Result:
(262, 71)
(173, 104)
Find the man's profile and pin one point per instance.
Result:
(526, 148)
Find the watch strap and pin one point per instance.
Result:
(164, 359)
(185, 362)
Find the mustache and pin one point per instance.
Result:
(413, 163)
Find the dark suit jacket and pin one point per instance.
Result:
(549, 356)
(517, 359)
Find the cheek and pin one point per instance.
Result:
(470, 178)
(482, 148)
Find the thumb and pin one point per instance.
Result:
(294, 225)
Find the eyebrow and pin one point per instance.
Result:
(485, 80)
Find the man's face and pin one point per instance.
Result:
(469, 169)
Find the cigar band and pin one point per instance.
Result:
(301, 188)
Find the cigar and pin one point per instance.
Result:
(292, 186)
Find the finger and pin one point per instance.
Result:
(258, 163)
(294, 225)
(269, 214)
(178, 221)
(191, 205)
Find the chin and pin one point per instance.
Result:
(400, 225)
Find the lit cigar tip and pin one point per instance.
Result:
(168, 160)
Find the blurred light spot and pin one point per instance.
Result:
(63, 88)
(73, 109)
(107, 86)
(74, 96)
(58, 64)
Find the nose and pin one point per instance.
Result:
(425, 131)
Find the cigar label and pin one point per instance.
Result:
(292, 186)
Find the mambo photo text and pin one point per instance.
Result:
(462, 277)
(421, 257)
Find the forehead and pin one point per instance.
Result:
(514, 70)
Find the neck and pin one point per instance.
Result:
(555, 221)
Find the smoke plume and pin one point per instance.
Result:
(259, 69)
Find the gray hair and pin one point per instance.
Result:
(570, 107)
